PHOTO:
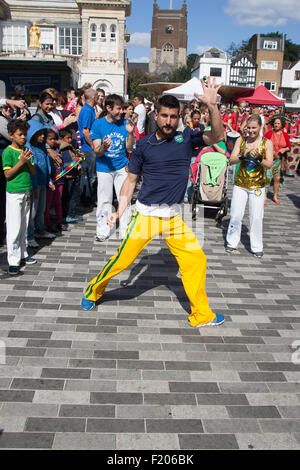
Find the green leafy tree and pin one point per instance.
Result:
(184, 73)
(135, 78)
(235, 48)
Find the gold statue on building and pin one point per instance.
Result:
(34, 35)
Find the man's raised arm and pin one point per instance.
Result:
(209, 97)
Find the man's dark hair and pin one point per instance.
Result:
(17, 124)
(140, 97)
(167, 101)
(113, 99)
(64, 132)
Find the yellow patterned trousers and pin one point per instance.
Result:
(183, 245)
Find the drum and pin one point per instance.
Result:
(293, 157)
(231, 139)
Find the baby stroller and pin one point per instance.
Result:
(209, 175)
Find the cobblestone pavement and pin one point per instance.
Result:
(133, 374)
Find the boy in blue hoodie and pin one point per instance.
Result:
(36, 141)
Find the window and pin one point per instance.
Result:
(270, 45)
(103, 43)
(14, 38)
(269, 85)
(297, 74)
(269, 65)
(103, 33)
(47, 39)
(243, 72)
(168, 47)
(113, 33)
(93, 37)
(113, 38)
(215, 72)
(167, 54)
(70, 40)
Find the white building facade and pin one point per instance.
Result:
(214, 63)
(81, 41)
(290, 85)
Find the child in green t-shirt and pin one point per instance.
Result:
(18, 168)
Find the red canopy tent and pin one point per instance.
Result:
(261, 96)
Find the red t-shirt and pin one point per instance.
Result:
(293, 130)
(279, 141)
(225, 119)
(237, 120)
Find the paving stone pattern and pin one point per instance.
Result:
(132, 374)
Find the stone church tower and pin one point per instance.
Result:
(168, 39)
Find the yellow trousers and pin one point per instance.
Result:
(183, 245)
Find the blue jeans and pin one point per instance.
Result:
(37, 210)
(188, 191)
(88, 177)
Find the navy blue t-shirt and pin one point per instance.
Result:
(164, 165)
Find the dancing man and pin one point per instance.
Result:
(163, 158)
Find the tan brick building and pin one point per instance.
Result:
(80, 41)
(268, 53)
(168, 39)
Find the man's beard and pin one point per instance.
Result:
(166, 135)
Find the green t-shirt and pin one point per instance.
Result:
(21, 181)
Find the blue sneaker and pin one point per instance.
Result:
(73, 220)
(28, 260)
(13, 270)
(215, 322)
(87, 304)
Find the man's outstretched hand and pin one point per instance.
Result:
(210, 92)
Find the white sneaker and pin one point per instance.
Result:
(101, 238)
(32, 243)
(45, 235)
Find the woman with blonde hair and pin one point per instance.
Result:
(255, 154)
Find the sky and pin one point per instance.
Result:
(215, 23)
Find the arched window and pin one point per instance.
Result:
(168, 47)
(168, 53)
(93, 37)
(113, 33)
(103, 33)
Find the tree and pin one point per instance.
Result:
(184, 73)
(235, 48)
(180, 75)
(135, 78)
